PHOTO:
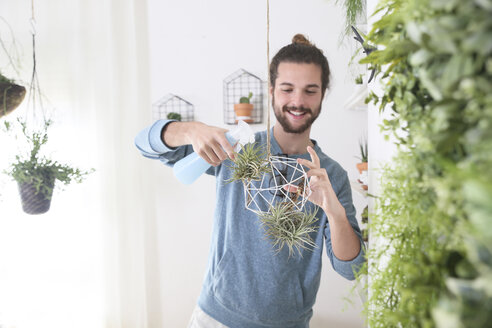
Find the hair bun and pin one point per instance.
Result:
(301, 39)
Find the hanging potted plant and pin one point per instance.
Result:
(244, 109)
(11, 95)
(363, 166)
(36, 174)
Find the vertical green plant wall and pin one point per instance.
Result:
(435, 209)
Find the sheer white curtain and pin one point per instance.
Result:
(91, 261)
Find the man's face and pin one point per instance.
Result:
(297, 96)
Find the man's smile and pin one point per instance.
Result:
(297, 113)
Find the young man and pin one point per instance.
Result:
(247, 283)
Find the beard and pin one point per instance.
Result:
(281, 113)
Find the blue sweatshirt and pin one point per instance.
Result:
(248, 284)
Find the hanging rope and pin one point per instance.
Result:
(34, 89)
(268, 82)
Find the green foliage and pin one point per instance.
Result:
(364, 154)
(467, 301)
(286, 226)
(434, 210)
(39, 170)
(354, 9)
(246, 100)
(4, 79)
(174, 116)
(249, 164)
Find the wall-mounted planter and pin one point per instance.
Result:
(168, 106)
(240, 84)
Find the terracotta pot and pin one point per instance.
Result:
(34, 202)
(11, 96)
(243, 112)
(362, 167)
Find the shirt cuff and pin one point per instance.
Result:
(155, 137)
(348, 268)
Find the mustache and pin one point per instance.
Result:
(298, 109)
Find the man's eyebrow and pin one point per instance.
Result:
(288, 84)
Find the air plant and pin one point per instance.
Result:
(286, 226)
(249, 164)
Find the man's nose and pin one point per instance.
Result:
(297, 99)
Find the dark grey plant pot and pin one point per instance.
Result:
(35, 202)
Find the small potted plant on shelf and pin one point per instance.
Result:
(363, 166)
(244, 109)
(174, 116)
(36, 174)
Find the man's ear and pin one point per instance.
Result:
(271, 89)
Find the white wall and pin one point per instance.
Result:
(194, 46)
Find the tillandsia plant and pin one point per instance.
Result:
(354, 13)
(288, 227)
(249, 164)
(433, 212)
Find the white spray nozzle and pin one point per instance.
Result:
(242, 133)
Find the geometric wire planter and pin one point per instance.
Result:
(286, 182)
(278, 199)
(240, 84)
(173, 104)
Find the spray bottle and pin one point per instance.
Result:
(189, 168)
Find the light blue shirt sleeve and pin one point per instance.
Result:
(150, 144)
(346, 269)
(149, 141)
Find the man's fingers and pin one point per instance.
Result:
(213, 154)
(314, 163)
(291, 188)
(209, 156)
(306, 163)
(314, 156)
(219, 151)
(317, 173)
(226, 146)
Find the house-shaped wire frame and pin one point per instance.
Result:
(173, 104)
(240, 84)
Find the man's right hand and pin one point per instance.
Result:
(209, 142)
